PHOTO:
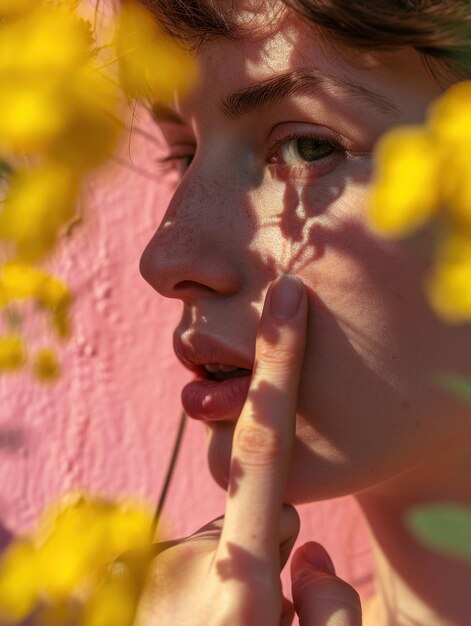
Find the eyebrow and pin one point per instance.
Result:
(259, 96)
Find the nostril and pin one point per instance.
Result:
(186, 285)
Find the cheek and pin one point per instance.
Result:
(368, 406)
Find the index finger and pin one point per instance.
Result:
(264, 434)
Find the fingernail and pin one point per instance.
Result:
(314, 554)
(286, 297)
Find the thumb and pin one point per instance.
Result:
(321, 598)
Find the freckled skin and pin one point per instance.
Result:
(371, 418)
(368, 405)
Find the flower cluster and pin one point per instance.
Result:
(61, 104)
(423, 172)
(66, 572)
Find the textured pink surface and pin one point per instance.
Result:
(108, 425)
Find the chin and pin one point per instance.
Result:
(219, 452)
(312, 477)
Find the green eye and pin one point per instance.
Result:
(305, 149)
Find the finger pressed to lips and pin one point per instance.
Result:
(265, 431)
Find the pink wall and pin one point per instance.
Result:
(108, 424)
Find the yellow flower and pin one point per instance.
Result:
(68, 558)
(15, 8)
(31, 116)
(12, 353)
(45, 365)
(113, 604)
(39, 202)
(152, 64)
(105, 529)
(450, 117)
(449, 285)
(53, 293)
(19, 582)
(450, 126)
(60, 321)
(34, 78)
(93, 128)
(407, 189)
(19, 280)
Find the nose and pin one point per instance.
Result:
(192, 253)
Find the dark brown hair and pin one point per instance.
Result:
(439, 29)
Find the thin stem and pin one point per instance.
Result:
(169, 474)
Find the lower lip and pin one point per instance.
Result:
(214, 401)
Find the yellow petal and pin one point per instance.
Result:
(85, 535)
(450, 117)
(35, 78)
(60, 321)
(406, 191)
(19, 582)
(45, 365)
(114, 604)
(128, 528)
(449, 285)
(53, 293)
(93, 129)
(38, 203)
(21, 280)
(12, 353)
(31, 116)
(15, 8)
(152, 64)
(29, 47)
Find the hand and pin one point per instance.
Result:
(228, 573)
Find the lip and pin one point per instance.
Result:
(205, 399)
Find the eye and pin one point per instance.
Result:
(182, 163)
(178, 161)
(297, 151)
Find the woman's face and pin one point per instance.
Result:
(280, 130)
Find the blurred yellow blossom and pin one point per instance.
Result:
(39, 202)
(422, 170)
(61, 107)
(449, 284)
(450, 117)
(35, 78)
(12, 353)
(407, 188)
(19, 281)
(83, 535)
(152, 64)
(45, 365)
(14, 8)
(112, 604)
(92, 129)
(450, 127)
(19, 581)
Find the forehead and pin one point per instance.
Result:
(276, 41)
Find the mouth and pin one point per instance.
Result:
(219, 373)
(222, 378)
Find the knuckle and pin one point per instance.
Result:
(330, 589)
(257, 445)
(275, 354)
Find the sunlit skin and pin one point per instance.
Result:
(371, 418)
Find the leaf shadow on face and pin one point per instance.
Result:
(260, 240)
